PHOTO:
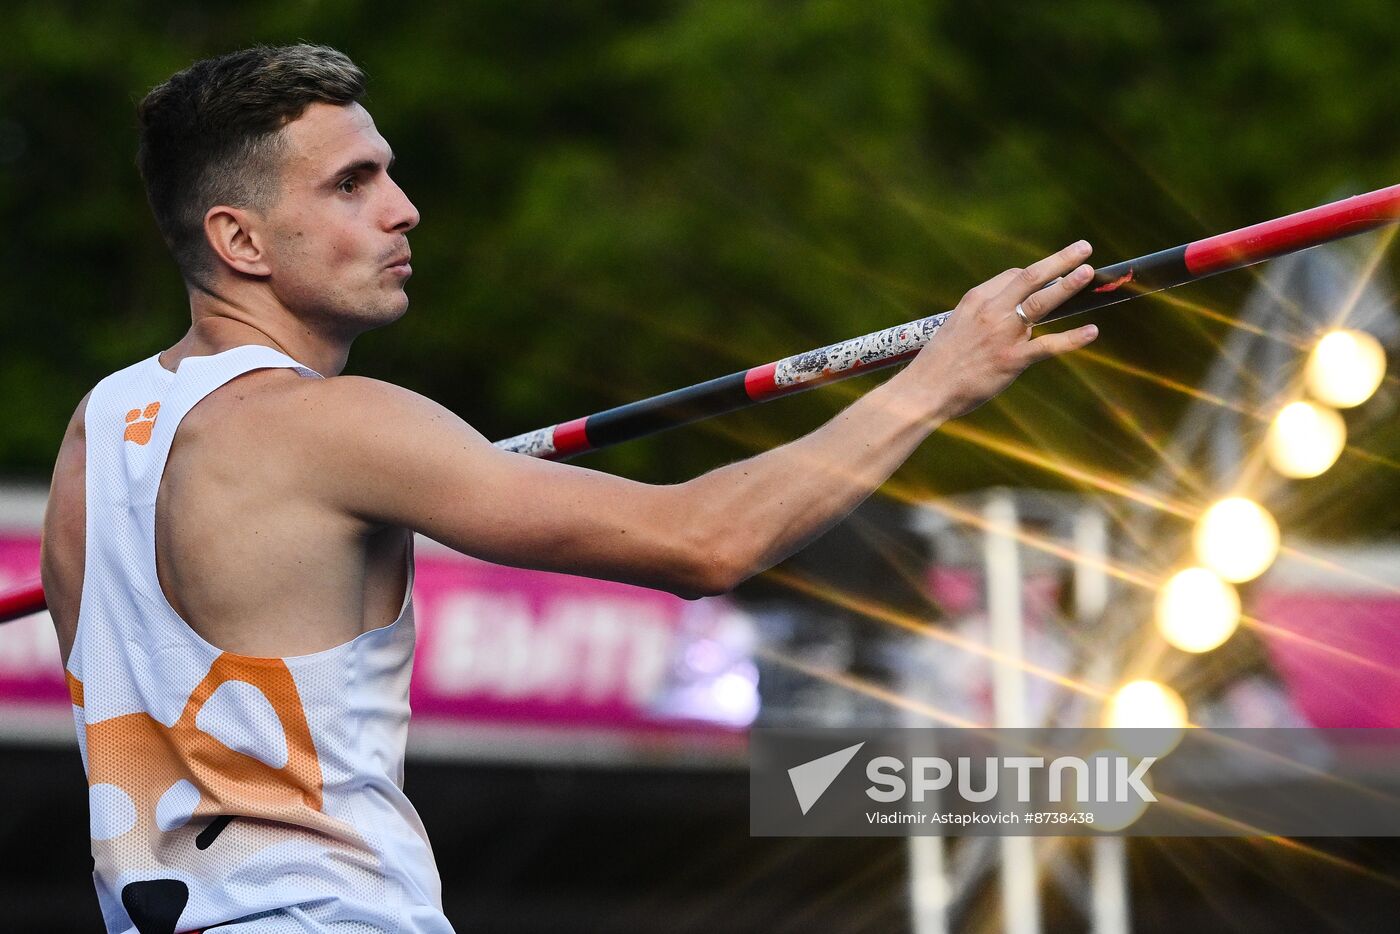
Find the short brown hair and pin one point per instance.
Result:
(211, 135)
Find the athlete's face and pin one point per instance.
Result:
(337, 241)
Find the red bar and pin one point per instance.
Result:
(571, 438)
(21, 601)
(1294, 232)
(758, 382)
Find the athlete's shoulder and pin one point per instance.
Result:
(114, 382)
(364, 389)
(340, 431)
(360, 446)
(359, 405)
(77, 423)
(71, 459)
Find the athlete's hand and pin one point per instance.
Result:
(984, 346)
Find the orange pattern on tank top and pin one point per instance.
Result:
(145, 759)
(140, 423)
(75, 688)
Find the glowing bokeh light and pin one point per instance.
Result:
(1237, 539)
(1305, 439)
(1112, 816)
(1345, 368)
(1197, 611)
(1146, 718)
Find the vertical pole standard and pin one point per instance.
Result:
(1020, 880)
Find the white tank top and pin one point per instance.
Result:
(226, 791)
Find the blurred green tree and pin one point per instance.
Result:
(621, 198)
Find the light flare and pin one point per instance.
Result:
(1237, 539)
(1305, 439)
(1345, 368)
(1197, 611)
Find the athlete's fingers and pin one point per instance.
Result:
(981, 294)
(1052, 345)
(1057, 293)
(1034, 276)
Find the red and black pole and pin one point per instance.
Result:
(1113, 284)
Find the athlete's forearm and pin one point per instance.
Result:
(757, 512)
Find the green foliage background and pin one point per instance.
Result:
(622, 198)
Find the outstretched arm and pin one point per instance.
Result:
(785, 498)
(387, 456)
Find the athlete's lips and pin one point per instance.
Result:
(401, 265)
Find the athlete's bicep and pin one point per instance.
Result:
(409, 462)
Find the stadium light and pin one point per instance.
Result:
(1237, 539)
(1345, 368)
(1147, 718)
(1197, 611)
(1305, 439)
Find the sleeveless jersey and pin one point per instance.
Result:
(229, 792)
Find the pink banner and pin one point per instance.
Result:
(499, 646)
(1338, 653)
(30, 668)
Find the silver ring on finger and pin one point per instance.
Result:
(1021, 313)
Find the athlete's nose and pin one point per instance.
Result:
(403, 216)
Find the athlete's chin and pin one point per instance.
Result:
(398, 304)
(389, 310)
(352, 316)
(374, 319)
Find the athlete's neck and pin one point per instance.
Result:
(219, 325)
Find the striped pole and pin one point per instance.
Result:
(1113, 284)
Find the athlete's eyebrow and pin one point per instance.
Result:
(363, 165)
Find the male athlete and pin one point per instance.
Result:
(227, 550)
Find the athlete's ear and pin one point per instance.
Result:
(236, 238)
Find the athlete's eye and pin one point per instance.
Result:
(347, 186)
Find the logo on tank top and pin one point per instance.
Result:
(223, 792)
(140, 423)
